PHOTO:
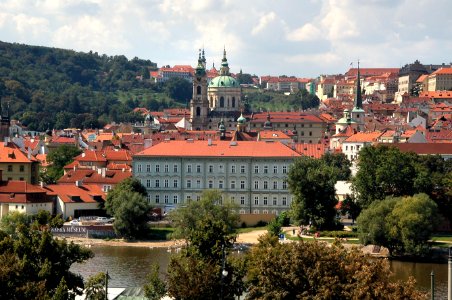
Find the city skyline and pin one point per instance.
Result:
(294, 38)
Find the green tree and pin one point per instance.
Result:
(62, 292)
(95, 287)
(350, 207)
(403, 225)
(132, 215)
(384, 171)
(34, 263)
(245, 78)
(208, 226)
(155, 288)
(311, 182)
(340, 162)
(130, 184)
(58, 158)
(275, 225)
(178, 89)
(313, 270)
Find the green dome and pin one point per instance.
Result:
(223, 81)
(241, 119)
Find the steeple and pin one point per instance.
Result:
(358, 103)
(200, 68)
(203, 58)
(224, 70)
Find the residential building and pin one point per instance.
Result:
(440, 80)
(353, 144)
(17, 165)
(73, 201)
(22, 197)
(251, 174)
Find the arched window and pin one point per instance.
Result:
(198, 111)
(198, 90)
(222, 102)
(233, 101)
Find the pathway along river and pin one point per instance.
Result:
(128, 266)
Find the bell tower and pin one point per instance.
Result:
(199, 104)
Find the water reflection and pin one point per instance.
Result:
(128, 267)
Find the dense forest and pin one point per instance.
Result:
(47, 88)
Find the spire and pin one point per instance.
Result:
(203, 58)
(200, 68)
(224, 70)
(358, 103)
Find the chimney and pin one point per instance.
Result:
(147, 143)
(78, 183)
(42, 184)
(29, 153)
(103, 170)
(209, 142)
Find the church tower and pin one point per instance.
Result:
(4, 122)
(358, 112)
(199, 104)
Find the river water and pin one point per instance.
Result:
(128, 266)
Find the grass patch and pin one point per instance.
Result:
(250, 229)
(160, 234)
(440, 244)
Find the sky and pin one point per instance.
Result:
(302, 38)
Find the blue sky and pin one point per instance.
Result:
(303, 38)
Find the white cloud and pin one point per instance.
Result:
(264, 21)
(26, 25)
(89, 33)
(308, 32)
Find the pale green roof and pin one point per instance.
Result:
(224, 81)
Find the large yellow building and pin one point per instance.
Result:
(16, 165)
(440, 80)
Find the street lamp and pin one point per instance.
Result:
(224, 273)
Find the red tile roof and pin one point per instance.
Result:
(86, 193)
(94, 177)
(272, 134)
(425, 148)
(362, 137)
(442, 71)
(311, 150)
(285, 117)
(12, 154)
(219, 149)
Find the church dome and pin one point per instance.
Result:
(241, 119)
(223, 81)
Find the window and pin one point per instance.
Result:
(284, 201)
(221, 168)
(166, 199)
(148, 197)
(275, 201)
(21, 179)
(198, 198)
(232, 184)
(188, 198)
(284, 169)
(233, 169)
(210, 169)
(148, 168)
(242, 200)
(106, 188)
(166, 168)
(157, 199)
(21, 168)
(210, 185)
(175, 199)
(175, 183)
(148, 183)
(157, 183)
(275, 185)
(265, 169)
(220, 184)
(175, 169)
(157, 168)
(166, 183)
(265, 185)
(138, 168)
(284, 185)
(310, 133)
(275, 169)
(188, 168)
(198, 184)
(256, 184)
(256, 200)
(188, 184)
(198, 168)
(256, 211)
(242, 184)
(265, 200)
(256, 169)
(242, 169)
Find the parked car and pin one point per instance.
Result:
(102, 219)
(75, 222)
